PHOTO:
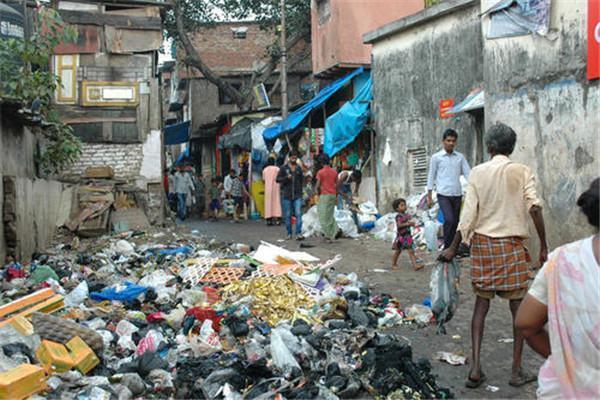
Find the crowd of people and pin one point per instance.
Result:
(289, 191)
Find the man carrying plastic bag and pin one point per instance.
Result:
(444, 283)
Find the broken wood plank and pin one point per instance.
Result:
(51, 305)
(25, 301)
(118, 21)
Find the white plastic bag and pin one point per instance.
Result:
(368, 208)
(431, 235)
(345, 222)
(445, 279)
(282, 356)
(420, 313)
(310, 223)
(77, 295)
(206, 342)
(385, 228)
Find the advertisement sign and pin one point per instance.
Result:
(261, 96)
(593, 69)
(445, 106)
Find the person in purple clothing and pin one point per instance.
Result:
(404, 240)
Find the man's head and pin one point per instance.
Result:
(215, 182)
(293, 158)
(356, 176)
(449, 139)
(325, 160)
(232, 173)
(500, 139)
(241, 177)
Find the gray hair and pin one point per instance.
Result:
(501, 139)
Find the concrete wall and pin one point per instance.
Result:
(412, 71)
(338, 39)
(539, 88)
(40, 207)
(30, 208)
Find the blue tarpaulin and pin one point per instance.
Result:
(342, 127)
(177, 133)
(295, 118)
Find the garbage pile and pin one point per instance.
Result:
(166, 315)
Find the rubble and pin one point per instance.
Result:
(172, 315)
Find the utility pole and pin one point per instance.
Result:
(284, 92)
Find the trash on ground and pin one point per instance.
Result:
(165, 314)
(450, 358)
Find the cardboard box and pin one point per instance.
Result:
(22, 382)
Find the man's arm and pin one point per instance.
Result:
(431, 179)
(466, 168)
(318, 186)
(281, 176)
(535, 211)
(540, 227)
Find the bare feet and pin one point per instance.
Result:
(521, 377)
(418, 267)
(395, 267)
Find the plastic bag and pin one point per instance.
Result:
(126, 293)
(445, 279)
(345, 222)
(124, 247)
(431, 235)
(368, 208)
(385, 228)
(150, 342)
(421, 314)
(158, 280)
(206, 342)
(77, 295)
(282, 355)
(310, 222)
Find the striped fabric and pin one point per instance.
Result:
(500, 264)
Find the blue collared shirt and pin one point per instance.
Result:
(445, 170)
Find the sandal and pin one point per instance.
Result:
(523, 379)
(474, 384)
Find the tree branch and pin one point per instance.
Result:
(194, 59)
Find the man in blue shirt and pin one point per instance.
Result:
(445, 169)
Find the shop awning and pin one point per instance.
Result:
(475, 100)
(240, 135)
(342, 127)
(177, 133)
(294, 120)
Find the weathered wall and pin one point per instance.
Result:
(337, 39)
(539, 88)
(412, 71)
(39, 206)
(30, 208)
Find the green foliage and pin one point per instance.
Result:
(25, 77)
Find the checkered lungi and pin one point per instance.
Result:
(499, 264)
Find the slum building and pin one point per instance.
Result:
(111, 97)
(464, 64)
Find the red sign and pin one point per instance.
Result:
(445, 106)
(593, 70)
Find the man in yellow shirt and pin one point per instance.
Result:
(500, 196)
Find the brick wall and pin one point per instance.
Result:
(225, 54)
(125, 159)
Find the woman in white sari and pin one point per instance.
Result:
(566, 296)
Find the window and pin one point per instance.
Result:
(323, 11)
(239, 33)
(65, 67)
(417, 159)
(224, 99)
